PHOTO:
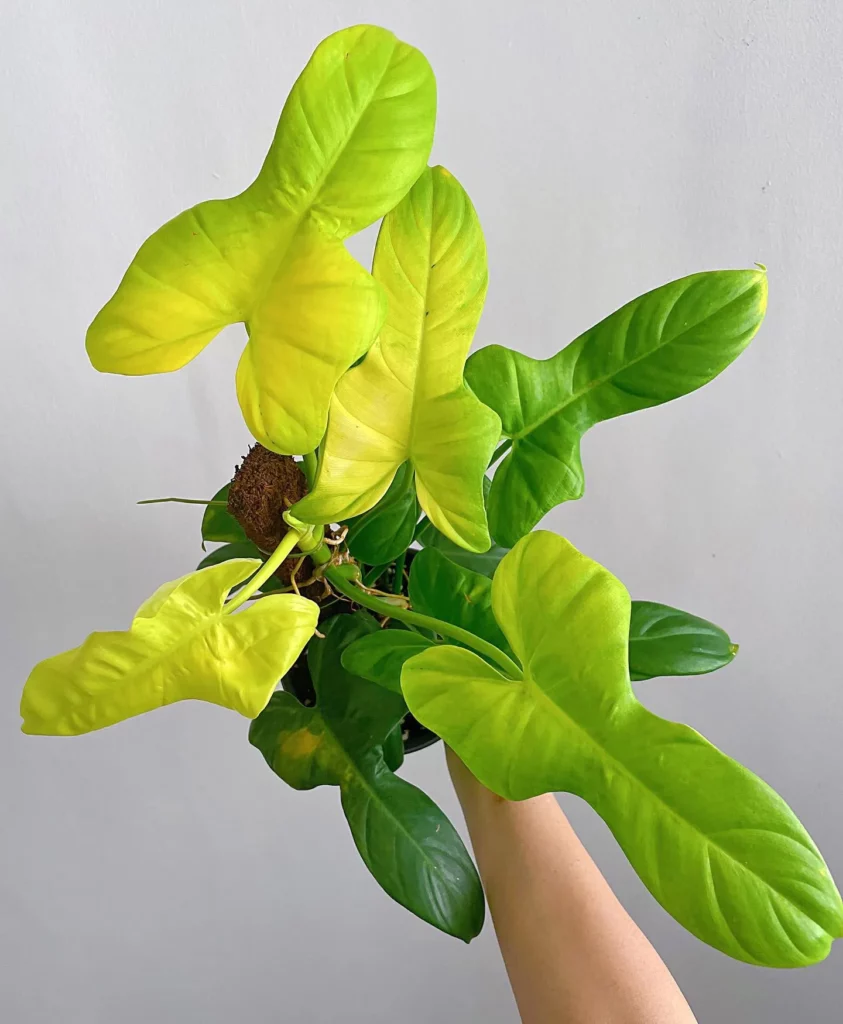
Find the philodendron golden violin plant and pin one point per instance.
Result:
(380, 581)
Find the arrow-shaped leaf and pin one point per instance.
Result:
(407, 400)
(658, 347)
(713, 843)
(354, 135)
(181, 645)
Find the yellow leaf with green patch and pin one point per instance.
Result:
(405, 840)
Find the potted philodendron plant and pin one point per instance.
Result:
(379, 557)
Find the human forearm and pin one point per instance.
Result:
(572, 952)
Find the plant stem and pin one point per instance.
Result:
(398, 582)
(288, 542)
(501, 450)
(182, 501)
(308, 465)
(374, 574)
(344, 586)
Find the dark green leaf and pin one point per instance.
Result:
(658, 347)
(218, 523)
(379, 657)
(665, 641)
(241, 549)
(445, 590)
(405, 840)
(381, 534)
(393, 748)
(484, 562)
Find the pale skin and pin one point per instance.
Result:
(573, 954)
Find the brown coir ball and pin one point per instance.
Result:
(265, 485)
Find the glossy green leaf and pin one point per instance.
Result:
(380, 535)
(218, 524)
(713, 843)
(353, 136)
(665, 641)
(181, 646)
(484, 562)
(407, 400)
(658, 347)
(379, 657)
(404, 839)
(445, 590)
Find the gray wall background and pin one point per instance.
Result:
(157, 871)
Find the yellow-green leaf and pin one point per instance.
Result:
(354, 135)
(181, 646)
(407, 400)
(718, 848)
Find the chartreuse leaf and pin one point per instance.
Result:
(407, 400)
(218, 524)
(380, 535)
(484, 562)
(354, 134)
(181, 646)
(660, 346)
(665, 641)
(379, 657)
(404, 839)
(713, 843)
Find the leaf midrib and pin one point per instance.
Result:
(600, 381)
(362, 781)
(622, 767)
(422, 327)
(306, 210)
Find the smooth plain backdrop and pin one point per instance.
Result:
(157, 871)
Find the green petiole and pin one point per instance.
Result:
(339, 582)
(309, 463)
(288, 542)
(398, 582)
